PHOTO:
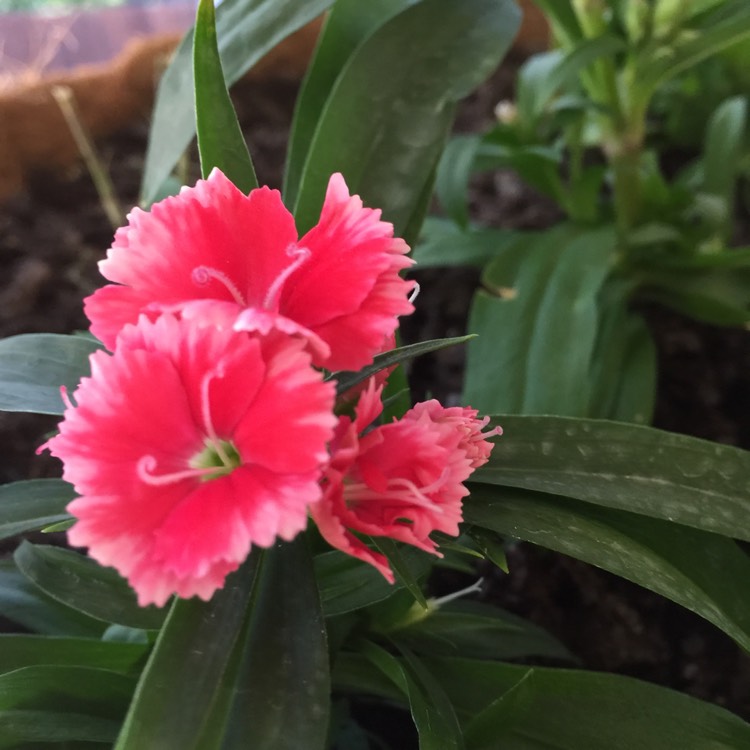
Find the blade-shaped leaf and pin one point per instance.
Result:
(283, 685)
(555, 709)
(247, 30)
(479, 630)
(631, 467)
(348, 24)
(432, 712)
(68, 704)
(347, 380)
(703, 572)
(220, 140)
(33, 504)
(80, 583)
(537, 324)
(23, 602)
(18, 651)
(189, 669)
(389, 114)
(33, 367)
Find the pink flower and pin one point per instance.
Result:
(219, 256)
(189, 445)
(401, 480)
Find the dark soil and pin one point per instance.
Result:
(52, 236)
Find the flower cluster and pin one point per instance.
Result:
(209, 427)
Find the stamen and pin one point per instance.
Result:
(474, 588)
(300, 256)
(208, 425)
(415, 292)
(147, 465)
(399, 489)
(490, 433)
(202, 275)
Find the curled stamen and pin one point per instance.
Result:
(489, 433)
(208, 425)
(299, 256)
(414, 292)
(147, 465)
(201, 275)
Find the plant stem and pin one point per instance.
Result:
(102, 182)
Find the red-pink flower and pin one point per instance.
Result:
(189, 445)
(219, 256)
(401, 480)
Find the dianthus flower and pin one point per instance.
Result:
(216, 255)
(401, 480)
(188, 445)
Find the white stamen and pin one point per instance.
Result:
(202, 275)
(414, 292)
(299, 256)
(474, 588)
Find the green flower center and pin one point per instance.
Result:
(221, 455)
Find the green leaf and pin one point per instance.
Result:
(724, 27)
(454, 172)
(247, 30)
(82, 584)
(660, 474)
(723, 149)
(476, 629)
(220, 140)
(283, 688)
(190, 669)
(18, 651)
(432, 712)
(348, 24)
(347, 584)
(33, 367)
(703, 572)
(555, 709)
(24, 603)
(443, 243)
(61, 703)
(33, 504)
(347, 380)
(389, 114)
(406, 570)
(537, 322)
(624, 362)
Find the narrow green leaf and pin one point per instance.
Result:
(443, 243)
(33, 504)
(23, 602)
(33, 367)
(386, 121)
(247, 30)
(537, 323)
(18, 651)
(283, 688)
(348, 24)
(432, 712)
(570, 710)
(703, 572)
(454, 172)
(82, 584)
(188, 669)
(722, 153)
(220, 140)
(406, 571)
(476, 629)
(347, 380)
(677, 478)
(68, 703)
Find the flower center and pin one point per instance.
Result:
(299, 256)
(216, 459)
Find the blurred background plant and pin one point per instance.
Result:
(636, 126)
